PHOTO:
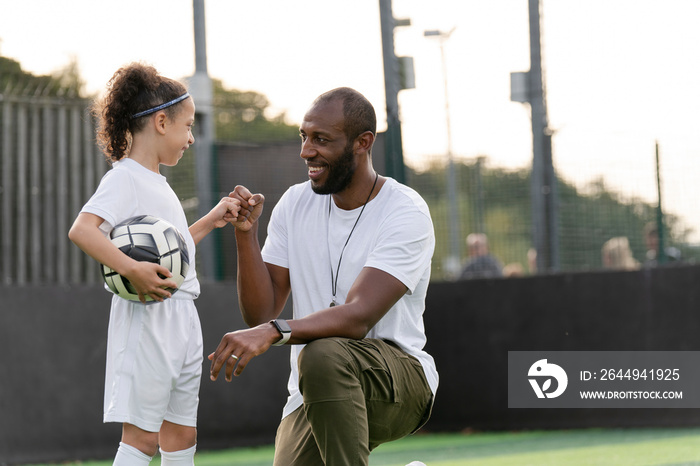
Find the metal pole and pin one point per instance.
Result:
(661, 252)
(202, 92)
(479, 204)
(453, 260)
(455, 240)
(543, 184)
(393, 144)
(200, 37)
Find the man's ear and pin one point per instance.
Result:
(160, 121)
(364, 142)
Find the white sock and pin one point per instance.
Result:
(130, 456)
(178, 458)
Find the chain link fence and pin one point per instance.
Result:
(50, 165)
(496, 201)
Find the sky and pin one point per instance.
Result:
(620, 74)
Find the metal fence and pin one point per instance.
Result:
(496, 201)
(50, 166)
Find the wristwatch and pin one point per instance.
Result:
(283, 327)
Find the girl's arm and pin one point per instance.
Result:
(86, 234)
(224, 212)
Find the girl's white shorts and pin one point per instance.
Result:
(154, 363)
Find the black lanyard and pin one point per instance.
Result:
(334, 279)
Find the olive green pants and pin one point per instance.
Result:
(357, 395)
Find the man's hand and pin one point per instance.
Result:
(238, 348)
(250, 210)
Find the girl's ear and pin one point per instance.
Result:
(160, 121)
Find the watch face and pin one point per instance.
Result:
(282, 326)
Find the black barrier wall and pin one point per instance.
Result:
(472, 325)
(52, 361)
(52, 348)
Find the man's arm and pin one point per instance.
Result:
(371, 296)
(263, 289)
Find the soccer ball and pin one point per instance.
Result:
(147, 238)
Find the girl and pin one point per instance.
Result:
(154, 351)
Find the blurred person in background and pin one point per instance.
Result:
(532, 261)
(617, 254)
(514, 269)
(481, 263)
(651, 237)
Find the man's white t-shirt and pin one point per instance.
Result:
(130, 189)
(394, 234)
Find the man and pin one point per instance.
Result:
(354, 249)
(481, 263)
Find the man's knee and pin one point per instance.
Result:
(322, 353)
(322, 364)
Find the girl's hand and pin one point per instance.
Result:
(86, 234)
(223, 213)
(147, 279)
(226, 211)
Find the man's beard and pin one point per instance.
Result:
(339, 174)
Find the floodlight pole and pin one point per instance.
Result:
(393, 145)
(202, 91)
(454, 258)
(545, 215)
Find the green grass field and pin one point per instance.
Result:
(624, 447)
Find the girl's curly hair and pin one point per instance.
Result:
(132, 89)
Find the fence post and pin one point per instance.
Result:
(661, 251)
(7, 187)
(61, 194)
(75, 179)
(21, 204)
(36, 207)
(48, 161)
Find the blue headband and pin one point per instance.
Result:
(161, 106)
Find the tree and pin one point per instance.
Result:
(240, 116)
(64, 82)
